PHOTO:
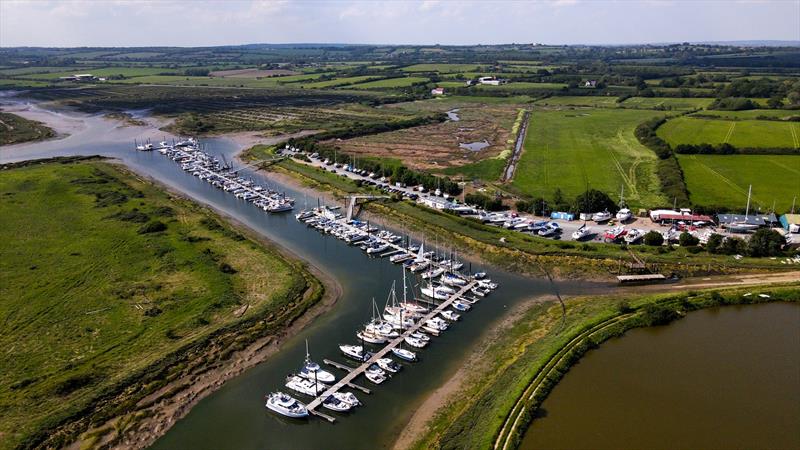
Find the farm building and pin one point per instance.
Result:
(791, 222)
(664, 216)
(437, 91)
(762, 220)
(492, 81)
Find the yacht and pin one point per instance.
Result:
(347, 397)
(461, 306)
(377, 248)
(404, 354)
(453, 280)
(372, 338)
(313, 371)
(633, 235)
(612, 234)
(421, 336)
(436, 293)
(305, 386)
(286, 405)
(389, 365)
(355, 352)
(549, 230)
(432, 273)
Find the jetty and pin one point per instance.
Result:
(355, 372)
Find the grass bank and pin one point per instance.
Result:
(516, 251)
(16, 129)
(112, 289)
(520, 367)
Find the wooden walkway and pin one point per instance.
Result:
(347, 380)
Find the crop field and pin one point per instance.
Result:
(442, 68)
(338, 82)
(722, 180)
(666, 103)
(521, 86)
(436, 147)
(739, 133)
(105, 275)
(389, 83)
(101, 72)
(588, 148)
(586, 100)
(252, 73)
(781, 114)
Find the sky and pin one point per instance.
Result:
(127, 23)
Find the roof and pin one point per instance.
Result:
(640, 278)
(755, 219)
(790, 218)
(689, 217)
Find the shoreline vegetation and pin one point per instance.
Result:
(493, 405)
(16, 129)
(214, 300)
(511, 250)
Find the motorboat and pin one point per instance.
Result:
(550, 229)
(624, 215)
(389, 365)
(421, 336)
(461, 306)
(286, 405)
(432, 273)
(417, 343)
(437, 323)
(355, 352)
(370, 337)
(436, 292)
(347, 397)
(381, 328)
(581, 233)
(404, 354)
(377, 248)
(633, 235)
(334, 404)
(305, 386)
(375, 374)
(453, 280)
(313, 371)
(479, 275)
(450, 315)
(413, 308)
(601, 217)
(612, 234)
(487, 284)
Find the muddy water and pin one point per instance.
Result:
(721, 378)
(475, 146)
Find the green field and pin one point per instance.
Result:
(96, 294)
(751, 114)
(520, 86)
(667, 103)
(739, 133)
(389, 83)
(102, 72)
(17, 129)
(586, 100)
(722, 180)
(595, 148)
(338, 82)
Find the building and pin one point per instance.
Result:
(492, 81)
(79, 77)
(665, 216)
(791, 222)
(590, 84)
(437, 91)
(762, 220)
(436, 202)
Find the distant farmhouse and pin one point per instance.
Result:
(437, 91)
(492, 81)
(590, 84)
(81, 77)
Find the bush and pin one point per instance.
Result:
(152, 227)
(765, 242)
(653, 238)
(733, 246)
(687, 239)
(714, 243)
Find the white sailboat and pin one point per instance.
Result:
(743, 226)
(313, 371)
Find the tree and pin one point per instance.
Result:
(733, 246)
(594, 201)
(775, 102)
(687, 239)
(653, 238)
(765, 242)
(714, 243)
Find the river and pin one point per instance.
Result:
(720, 378)
(234, 416)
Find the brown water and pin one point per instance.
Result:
(724, 378)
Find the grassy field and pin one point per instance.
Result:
(723, 180)
(389, 83)
(595, 148)
(442, 68)
(520, 86)
(585, 100)
(540, 345)
(104, 276)
(751, 114)
(338, 82)
(18, 129)
(739, 133)
(660, 103)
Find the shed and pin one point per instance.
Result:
(562, 216)
(726, 219)
(791, 222)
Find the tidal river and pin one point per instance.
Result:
(234, 416)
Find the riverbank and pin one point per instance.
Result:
(515, 251)
(135, 407)
(493, 406)
(16, 129)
